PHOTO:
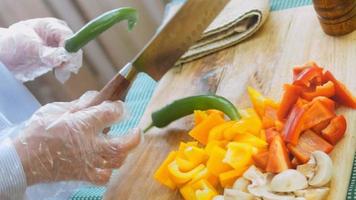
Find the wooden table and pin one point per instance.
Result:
(264, 61)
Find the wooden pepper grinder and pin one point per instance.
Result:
(337, 17)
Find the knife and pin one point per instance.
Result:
(160, 54)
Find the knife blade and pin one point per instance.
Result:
(160, 54)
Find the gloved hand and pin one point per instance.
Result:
(59, 144)
(33, 47)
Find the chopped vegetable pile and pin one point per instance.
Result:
(286, 140)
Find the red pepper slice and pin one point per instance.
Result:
(328, 103)
(335, 130)
(294, 124)
(308, 76)
(270, 133)
(290, 97)
(321, 126)
(260, 159)
(307, 144)
(342, 94)
(315, 114)
(270, 117)
(278, 158)
(326, 90)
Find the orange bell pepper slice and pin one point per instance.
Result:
(162, 173)
(335, 130)
(199, 116)
(278, 158)
(260, 159)
(326, 90)
(239, 155)
(307, 144)
(215, 162)
(201, 131)
(342, 94)
(290, 97)
(228, 178)
(270, 117)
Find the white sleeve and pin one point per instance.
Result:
(12, 175)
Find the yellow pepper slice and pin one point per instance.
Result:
(205, 174)
(201, 131)
(253, 121)
(215, 162)
(239, 155)
(184, 165)
(180, 177)
(217, 133)
(259, 102)
(200, 190)
(162, 174)
(199, 116)
(228, 178)
(210, 146)
(252, 140)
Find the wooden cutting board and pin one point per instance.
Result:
(289, 37)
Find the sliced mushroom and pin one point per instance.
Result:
(308, 169)
(263, 191)
(313, 193)
(241, 184)
(255, 176)
(323, 170)
(288, 181)
(218, 197)
(232, 194)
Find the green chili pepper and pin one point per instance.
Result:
(186, 106)
(100, 24)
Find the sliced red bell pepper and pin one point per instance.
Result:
(335, 130)
(328, 103)
(342, 94)
(295, 162)
(308, 76)
(260, 160)
(270, 133)
(294, 124)
(278, 158)
(270, 117)
(290, 97)
(307, 144)
(319, 127)
(315, 114)
(326, 90)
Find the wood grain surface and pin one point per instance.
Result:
(265, 61)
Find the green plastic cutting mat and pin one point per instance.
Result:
(140, 94)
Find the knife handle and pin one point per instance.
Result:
(117, 87)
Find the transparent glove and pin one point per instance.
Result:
(33, 47)
(58, 144)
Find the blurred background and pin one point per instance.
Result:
(103, 57)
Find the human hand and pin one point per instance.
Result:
(59, 143)
(33, 47)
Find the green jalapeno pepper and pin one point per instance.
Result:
(186, 106)
(100, 24)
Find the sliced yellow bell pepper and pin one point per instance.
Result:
(251, 140)
(199, 116)
(253, 120)
(201, 131)
(200, 190)
(228, 178)
(217, 133)
(162, 174)
(215, 162)
(191, 153)
(210, 146)
(259, 102)
(179, 177)
(205, 174)
(184, 165)
(239, 155)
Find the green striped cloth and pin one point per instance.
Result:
(140, 94)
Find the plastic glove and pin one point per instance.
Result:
(34, 47)
(58, 144)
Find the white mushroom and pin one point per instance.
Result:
(288, 181)
(241, 184)
(323, 170)
(218, 197)
(313, 193)
(263, 191)
(255, 176)
(232, 194)
(308, 169)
